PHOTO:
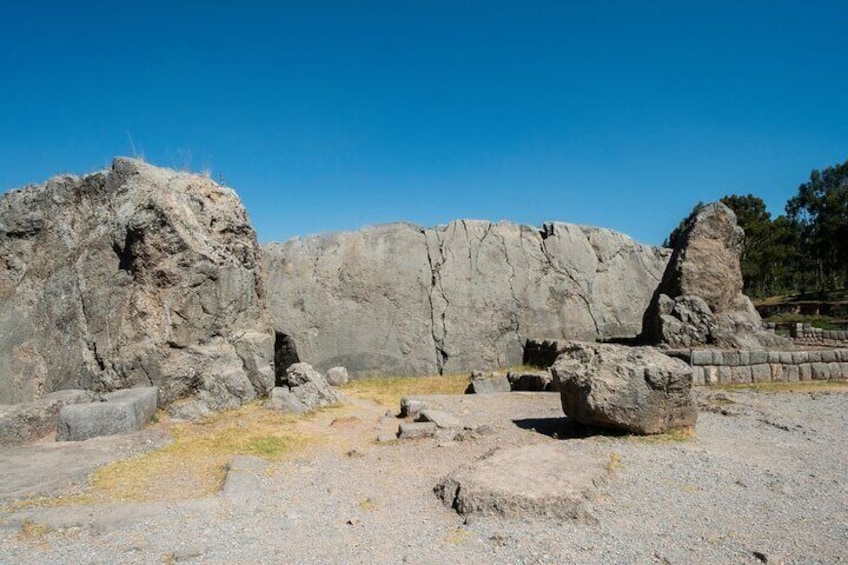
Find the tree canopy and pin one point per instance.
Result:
(804, 250)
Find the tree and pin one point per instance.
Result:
(821, 210)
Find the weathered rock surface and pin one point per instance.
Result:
(488, 384)
(302, 389)
(545, 480)
(635, 389)
(338, 376)
(400, 299)
(132, 276)
(532, 381)
(117, 412)
(28, 421)
(700, 300)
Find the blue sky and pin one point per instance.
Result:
(333, 115)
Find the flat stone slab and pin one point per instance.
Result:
(243, 480)
(488, 385)
(442, 419)
(417, 430)
(122, 411)
(546, 480)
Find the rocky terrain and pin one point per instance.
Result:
(399, 299)
(761, 480)
(132, 276)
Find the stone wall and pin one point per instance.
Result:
(805, 334)
(717, 366)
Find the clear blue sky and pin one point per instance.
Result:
(333, 115)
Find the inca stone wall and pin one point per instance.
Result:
(804, 334)
(717, 366)
(401, 299)
(132, 276)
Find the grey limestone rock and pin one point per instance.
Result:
(534, 381)
(118, 412)
(635, 389)
(488, 385)
(302, 389)
(699, 300)
(442, 419)
(133, 276)
(401, 299)
(337, 376)
(417, 430)
(28, 421)
(544, 480)
(411, 407)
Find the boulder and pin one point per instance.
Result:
(29, 421)
(699, 300)
(411, 407)
(533, 381)
(634, 389)
(488, 385)
(405, 300)
(545, 480)
(118, 412)
(133, 276)
(302, 389)
(337, 376)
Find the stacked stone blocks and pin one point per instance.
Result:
(717, 366)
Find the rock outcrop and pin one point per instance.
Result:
(634, 389)
(300, 390)
(700, 300)
(134, 276)
(400, 299)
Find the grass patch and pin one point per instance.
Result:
(387, 391)
(817, 321)
(804, 386)
(32, 531)
(194, 465)
(684, 434)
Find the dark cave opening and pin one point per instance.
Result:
(285, 355)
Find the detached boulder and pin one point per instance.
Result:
(634, 389)
(700, 300)
(301, 389)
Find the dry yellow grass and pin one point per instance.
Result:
(194, 465)
(387, 391)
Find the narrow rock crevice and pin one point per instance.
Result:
(546, 232)
(436, 285)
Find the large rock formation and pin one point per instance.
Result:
(399, 299)
(132, 276)
(634, 389)
(700, 300)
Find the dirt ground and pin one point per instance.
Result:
(763, 479)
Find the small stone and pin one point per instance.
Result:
(353, 521)
(411, 407)
(442, 419)
(416, 430)
(337, 376)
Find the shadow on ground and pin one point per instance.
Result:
(563, 428)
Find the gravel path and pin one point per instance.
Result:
(765, 479)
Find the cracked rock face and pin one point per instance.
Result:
(132, 276)
(401, 299)
(700, 300)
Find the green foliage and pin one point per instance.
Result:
(804, 250)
